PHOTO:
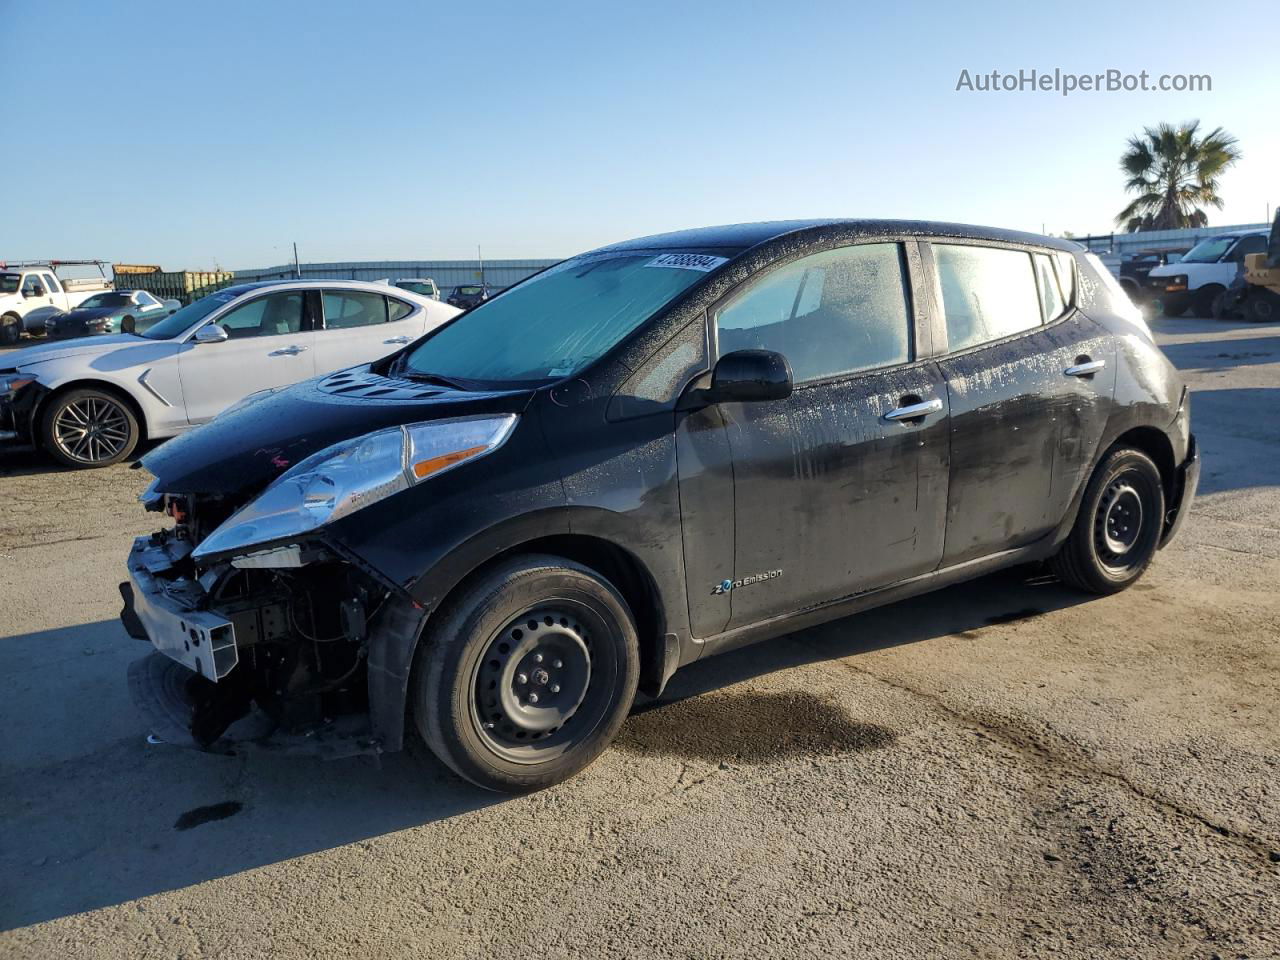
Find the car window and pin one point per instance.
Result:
(1052, 302)
(51, 285)
(269, 316)
(352, 308)
(30, 284)
(987, 293)
(1248, 245)
(829, 314)
(146, 299)
(397, 309)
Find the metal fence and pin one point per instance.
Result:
(446, 273)
(1111, 248)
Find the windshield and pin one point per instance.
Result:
(174, 324)
(469, 291)
(106, 300)
(9, 282)
(415, 286)
(1209, 251)
(556, 323)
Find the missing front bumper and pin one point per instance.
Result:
(201, 640)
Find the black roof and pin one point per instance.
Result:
(740, 236)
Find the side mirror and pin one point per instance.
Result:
(36, 291)
(747, 376)
(212, 333)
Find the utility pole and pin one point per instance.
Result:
(480, 257)
(297, 272)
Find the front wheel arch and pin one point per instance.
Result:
(402, 625)
(89, 384)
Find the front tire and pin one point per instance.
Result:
(88, 428)
(1202, 299)
(10, 329)
(526, 677)
(1117, 531)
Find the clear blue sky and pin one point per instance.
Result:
(192, 134)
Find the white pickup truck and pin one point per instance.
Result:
(31, 292)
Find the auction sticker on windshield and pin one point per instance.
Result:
(687, 261)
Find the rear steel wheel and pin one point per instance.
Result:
(1118, 528)
(89, 428)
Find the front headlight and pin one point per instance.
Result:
(353, 474)
(13, 382)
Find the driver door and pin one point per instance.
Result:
(269, 344)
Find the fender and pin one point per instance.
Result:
(399, 625)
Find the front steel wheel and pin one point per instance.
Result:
(89, 428)
(526, 677)
(1117, 532)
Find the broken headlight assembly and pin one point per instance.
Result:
(353, 474)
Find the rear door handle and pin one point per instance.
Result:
(915, 411)
(291, 351)
(1086, 369)
(397, 340)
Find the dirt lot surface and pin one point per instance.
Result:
(1004, 769)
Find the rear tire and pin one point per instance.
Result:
(1118, 528)
(88, 428)
(525, 678)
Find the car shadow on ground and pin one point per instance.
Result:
(29, 461)
(95, 816)
(1020, 593)
(1238, 433)
(1223, 354)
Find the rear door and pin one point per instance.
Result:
(1029, 379)
(359, 326)
(840, 488)
(269, 345)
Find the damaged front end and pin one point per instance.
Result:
(267, 626)
(270, 647)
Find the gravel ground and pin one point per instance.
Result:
(1003, 769)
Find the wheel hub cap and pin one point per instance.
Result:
(91, 429)
(535, 675)
(1120, 516)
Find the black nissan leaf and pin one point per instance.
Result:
(650, 453)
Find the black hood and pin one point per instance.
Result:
(239, 453)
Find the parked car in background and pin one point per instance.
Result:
(469, 295)
(1204, 272)
(654, 452)
(112, 311)
(1134, 270)
(32, 291)
(422, 286)
(88, 402)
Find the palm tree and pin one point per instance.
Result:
(1175, 173)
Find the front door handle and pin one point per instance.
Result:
(397, 340)
(1086, 369)
(915, 411)
(290, 351)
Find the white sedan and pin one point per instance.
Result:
(88, 402)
